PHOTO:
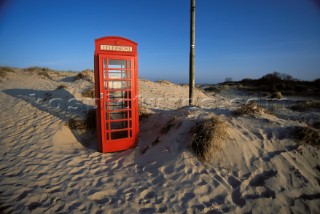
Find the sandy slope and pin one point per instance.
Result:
(47, 168)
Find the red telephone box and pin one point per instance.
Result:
(116, 93)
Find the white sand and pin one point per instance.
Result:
(47, 168)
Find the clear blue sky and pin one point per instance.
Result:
(234, 38)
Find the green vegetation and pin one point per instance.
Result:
(278, 82)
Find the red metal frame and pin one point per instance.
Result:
(117, 116)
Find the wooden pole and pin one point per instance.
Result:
(192, 51)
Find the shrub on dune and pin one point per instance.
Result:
(307, 135)
(250, 108)
(89, 123)
(207, 137)
(89, 92)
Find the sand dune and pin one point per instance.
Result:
(45, 167)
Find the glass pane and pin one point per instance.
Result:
(118, 84)
(119, 135)
(118, 94)
(119, 115)
(118, 74)
(118, 105)
(119, 125)
(116, 63)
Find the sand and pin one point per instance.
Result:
(47, 168)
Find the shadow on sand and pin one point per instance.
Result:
(61, 104)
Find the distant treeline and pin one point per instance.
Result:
(274, 82)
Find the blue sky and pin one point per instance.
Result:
(234, 38)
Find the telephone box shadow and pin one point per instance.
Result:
(61, 104)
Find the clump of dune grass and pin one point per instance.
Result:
(88, 92)
(4, 70)
(61, 87)
(250, 108)
(36, 69)
(164, 82)
(41, 71)
(80, 76)
(44, 74)
(305, 106)
(277, 95)
(207, 138)
(89, 123)
(307, 135)
(85, 75)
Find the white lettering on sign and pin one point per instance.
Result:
(115, 48)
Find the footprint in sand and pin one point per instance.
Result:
(236, 194)
(259, 180)
(158, 181)
(148, 195)
(188, 197)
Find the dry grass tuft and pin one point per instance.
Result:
(89, 92)
(207, 138)
(308, 135)
(85, 75)
(164, 82)
(251, 108)
(80, 76)
(87, 124)
(44, 72)
(277, 95)
(36, 69)
(61, 87)
(4, 70)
